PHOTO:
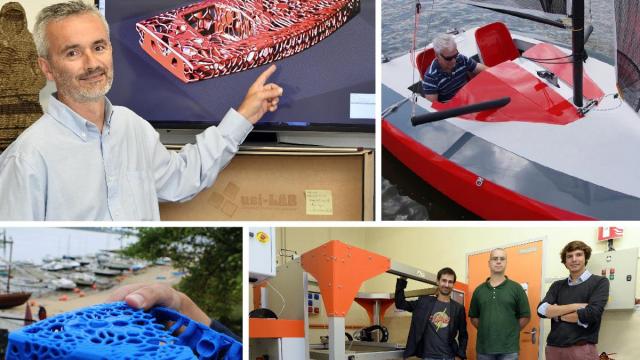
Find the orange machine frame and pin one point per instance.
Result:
(332, 264)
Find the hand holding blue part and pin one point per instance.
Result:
(119, 331)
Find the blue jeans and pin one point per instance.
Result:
(428, 358)
(512, 356)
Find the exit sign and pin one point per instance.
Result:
(607, 233)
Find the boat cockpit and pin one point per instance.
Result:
(535, 76)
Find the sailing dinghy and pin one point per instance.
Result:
(546, 132)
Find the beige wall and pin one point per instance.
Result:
(433, 248)
(302, 240)
(31, 8)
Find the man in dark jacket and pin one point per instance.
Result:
(436, 321)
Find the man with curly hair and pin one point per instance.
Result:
(575, 306)
(438, 325)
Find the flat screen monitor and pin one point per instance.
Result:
(329, 86)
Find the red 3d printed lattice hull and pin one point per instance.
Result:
(218, 37)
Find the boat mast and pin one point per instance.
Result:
(577, 41)
(4, 244)
(10, 260)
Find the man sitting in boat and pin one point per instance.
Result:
(449, 71)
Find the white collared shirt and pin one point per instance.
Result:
(63, 168)
(542, 309)
(582, 278)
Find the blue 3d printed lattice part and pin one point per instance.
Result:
(117, 331)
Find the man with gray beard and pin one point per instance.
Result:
(87, 159)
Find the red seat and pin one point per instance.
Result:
(495, 44)
(424, 60)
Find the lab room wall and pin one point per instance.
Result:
(436, 247)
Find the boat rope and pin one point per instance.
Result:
(394, 107)
(416, 20)
(549, 59)
(615, 96)
(412, 53)
(545, 61)
(414, 47)
(429, 14)
(30, 321)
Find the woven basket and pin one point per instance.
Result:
(20, 76)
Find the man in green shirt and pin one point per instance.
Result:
(499, 310)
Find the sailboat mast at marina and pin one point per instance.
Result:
(9, 299)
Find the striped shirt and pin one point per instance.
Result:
(446, 85)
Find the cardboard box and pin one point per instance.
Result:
(302, 184)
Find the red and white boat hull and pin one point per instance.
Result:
(536, 158)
